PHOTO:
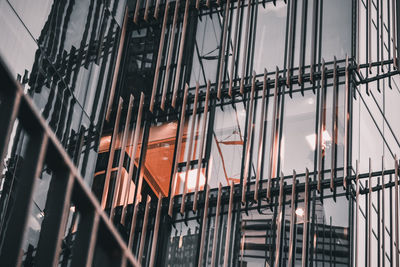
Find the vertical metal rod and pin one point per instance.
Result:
(383, 214)
(357, 211)
(335, 112)
(189, 154)
(358, 34)
(274, 133)
(305, 222)
(136, 14)
(369, 7)
(121, 158)
(159, 56)
(292, 221)
(180, 55)
(156, 230)
(303, 40)
(369, 212)
(216, 225)
(346, 122)
(228, 227)
(178, 151)
(144, 229)
(111, 156)
(322, 127)
(133, 223)
(204, 226)
(394, 32)
(261, 137)
(291, 27)
(250, 129)
(157, 8)
(313, 39)
(396, 208)
(247, 165)
(117, 64)
(170, 50)
(133, 150)
(235, 41)
(146, 10)
(279, 219)
(223, 52)
(246, 43)
(200, 155)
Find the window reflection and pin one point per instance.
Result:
(270, 36)
(227, 145)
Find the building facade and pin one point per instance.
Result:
(200, 133)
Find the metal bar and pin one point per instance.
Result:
(85, 241)
(170, 50)
(250, 128)
(216, 225)
(358, 35)
(190, 148)
(235, 41)
(357, 216)
(369, 7)
(247, 164)
(396, 208)
(111, 156)
(55, 219)
(18, 217)
(346, 123)
(146, 10)
(178, 151)
(369, 212)
(204, 226)
(394, 33)
(292, 222)
(383, 214)
(133, 223)
(144, 229)
(246, 43)
(335, 112)
(200, 155)
(279, 219)
(305, 222)
(136, 14)
(223, 52)
(229, 225)
(291, 27)
(274, 131)
(159, 57)
(117, 64)
(303, 28)
(321, 143)
(156, 230)
(135, 135)
(261, 137)
(313, 39)
(157, 8)
(180, 55)
(121, 158)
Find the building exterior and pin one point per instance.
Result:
(199, 133)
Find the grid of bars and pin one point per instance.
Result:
(67, 186)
